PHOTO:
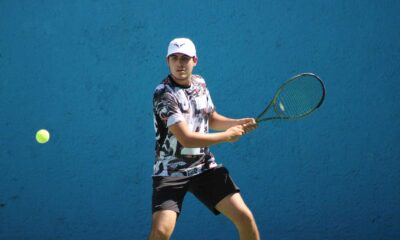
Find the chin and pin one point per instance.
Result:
(181, 76)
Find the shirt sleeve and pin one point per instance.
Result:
(211, 107)
(167, 108)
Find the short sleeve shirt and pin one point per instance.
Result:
(172, 104)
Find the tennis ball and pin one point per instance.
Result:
(42, 136)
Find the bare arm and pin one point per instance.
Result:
(194, 139)
(221, 123)
(232, 130)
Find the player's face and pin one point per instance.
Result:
(181, 67)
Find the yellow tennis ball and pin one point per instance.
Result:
(42, 136)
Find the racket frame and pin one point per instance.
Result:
(274, 100)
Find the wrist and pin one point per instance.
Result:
(227, 136)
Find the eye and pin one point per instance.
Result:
(186, 58)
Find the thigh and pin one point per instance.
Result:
(234, 207)
(164, 221)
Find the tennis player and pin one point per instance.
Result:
(183, 114)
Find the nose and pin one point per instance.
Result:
(182, 61)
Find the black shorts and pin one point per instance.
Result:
(210, 187)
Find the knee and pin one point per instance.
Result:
(160, 233)
(245, 218)
(163, 224)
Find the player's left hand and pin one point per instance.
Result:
(248, 124)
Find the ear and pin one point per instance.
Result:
(195, 60)
(166, 59)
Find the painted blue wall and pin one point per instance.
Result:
(85, 70)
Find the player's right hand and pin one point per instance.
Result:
(234, 133)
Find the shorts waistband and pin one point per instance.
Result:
(188, 172)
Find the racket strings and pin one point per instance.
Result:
(299, 97)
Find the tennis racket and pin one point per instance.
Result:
(298, 97)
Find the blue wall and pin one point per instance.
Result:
(86, 70)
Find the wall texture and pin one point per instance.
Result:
(85, 70)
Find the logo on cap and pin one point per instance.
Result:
(179, 45)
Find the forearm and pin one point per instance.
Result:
(195, 139)
(221, 123)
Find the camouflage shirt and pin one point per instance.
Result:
(173, 103)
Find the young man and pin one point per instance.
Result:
(183, 113)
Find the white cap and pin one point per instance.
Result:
(182, 45)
